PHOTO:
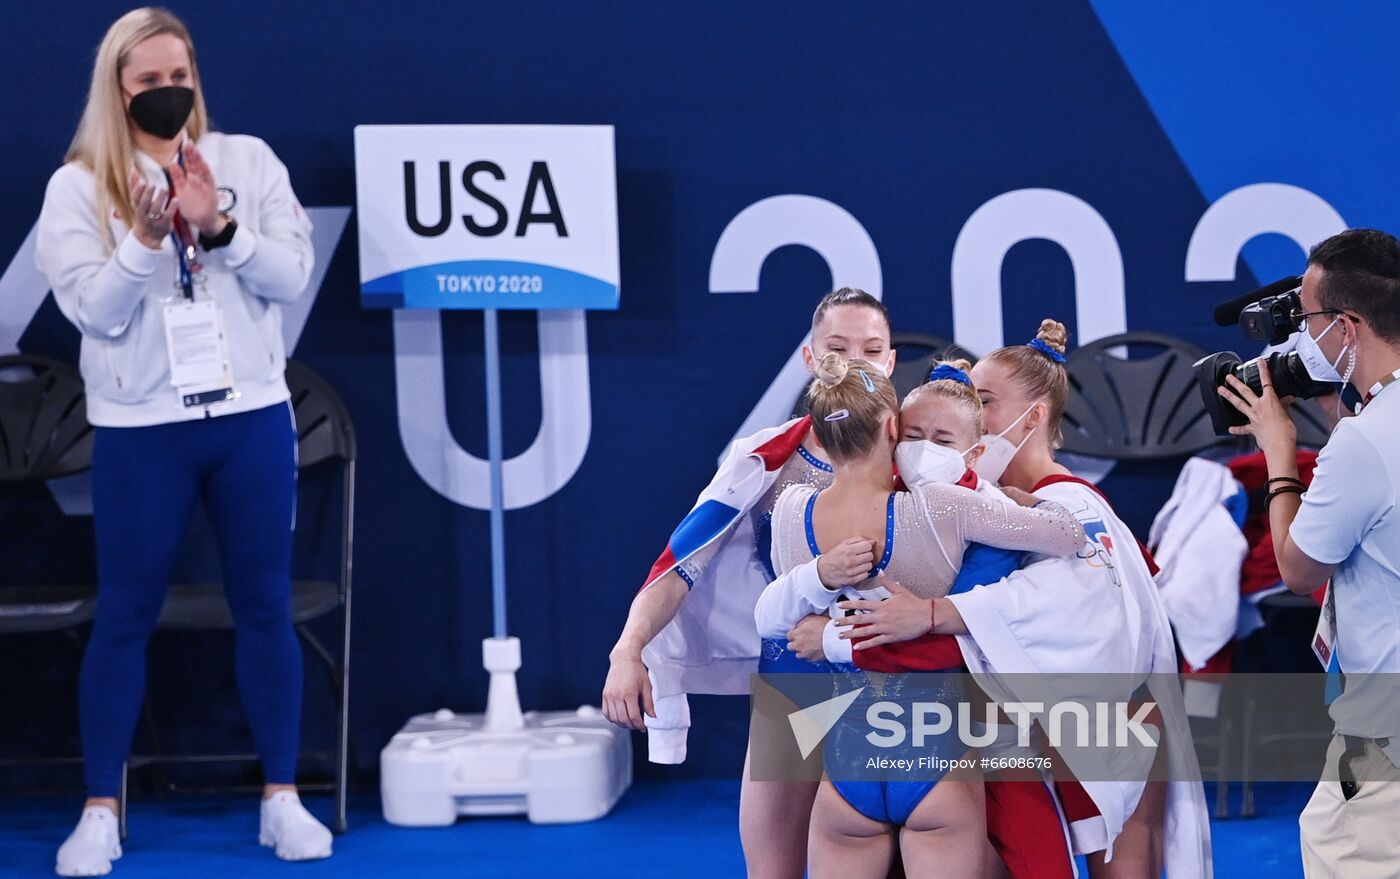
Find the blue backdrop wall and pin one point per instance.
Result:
(908, 116)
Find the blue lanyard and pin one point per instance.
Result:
(186, 278)
(184, 250)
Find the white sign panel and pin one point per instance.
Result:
(487, 216)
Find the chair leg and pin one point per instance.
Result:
(1247, 757)
(1227, 733)
(121, 806)
(311, 641)
(347, 554)
(340, 682)
(148, 722)
(342, 750)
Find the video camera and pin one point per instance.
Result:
(1267, 315)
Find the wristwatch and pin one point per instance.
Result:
(212, 242)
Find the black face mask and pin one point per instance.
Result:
(162, 112)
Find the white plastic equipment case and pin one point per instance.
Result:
(556, 767)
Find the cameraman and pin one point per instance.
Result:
(1346, 528)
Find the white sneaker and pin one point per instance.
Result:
(92, 846)
(291, 831)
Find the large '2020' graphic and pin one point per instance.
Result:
(746, 242)
(981, 247)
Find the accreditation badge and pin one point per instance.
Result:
(1324, 642)
(197, 347)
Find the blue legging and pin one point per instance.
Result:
(145, 482)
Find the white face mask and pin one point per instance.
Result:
(881, 366)
(1000, 450)
(1316, 362)
(922, 462)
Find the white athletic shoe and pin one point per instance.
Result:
(291, 831)
(92, 846)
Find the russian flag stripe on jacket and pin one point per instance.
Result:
(712, 645)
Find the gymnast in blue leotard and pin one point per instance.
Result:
(920, 537)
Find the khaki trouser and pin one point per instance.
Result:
(1357, 838)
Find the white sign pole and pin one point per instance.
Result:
(491, 217)
(500, 653)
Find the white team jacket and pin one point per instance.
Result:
(1201, 551)
(114, 298)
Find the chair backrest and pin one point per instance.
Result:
(1140, 407)
(324, 430)
(916, 351)
(911, 366)
(44, 431)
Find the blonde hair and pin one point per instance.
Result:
(103, 142)
(1039, 376)
(964, 395)
(848, 401)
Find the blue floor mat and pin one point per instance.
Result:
(679, 829)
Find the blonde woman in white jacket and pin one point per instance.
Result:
(171, 249)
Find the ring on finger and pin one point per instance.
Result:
(155, 215)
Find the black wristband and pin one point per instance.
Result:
(1282, 489)
(212, 242)
(1289, 479)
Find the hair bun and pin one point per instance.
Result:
(962, 364)
(832, 369)
(1054, 334)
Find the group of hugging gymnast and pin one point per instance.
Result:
(937, 533)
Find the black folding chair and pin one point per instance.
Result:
(1147, 406)
(44, 434)
(1134, 397)
(325, 438)
(1289, 620)
(916, 353)
(1143, 406)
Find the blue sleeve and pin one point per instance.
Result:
(1237, 505)
(984, 564)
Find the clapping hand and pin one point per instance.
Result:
(152, 210)
(196, 190)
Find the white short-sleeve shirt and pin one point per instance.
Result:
(1349, 519)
